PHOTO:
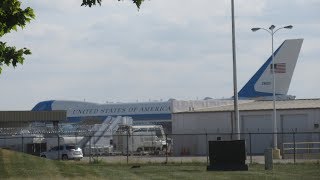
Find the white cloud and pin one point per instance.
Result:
(167, 49)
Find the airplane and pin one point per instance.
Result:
(259, 87)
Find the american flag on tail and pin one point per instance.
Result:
(278, 68)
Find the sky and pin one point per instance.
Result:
(179, 49)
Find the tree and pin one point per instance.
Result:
(12, 17)
(94, 2)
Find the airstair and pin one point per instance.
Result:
(100, 142)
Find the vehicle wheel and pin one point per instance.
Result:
(164, 148)
(64, 157)
(157, 151)
(139, 150)
(43, 156)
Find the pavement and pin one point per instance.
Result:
(185, 159)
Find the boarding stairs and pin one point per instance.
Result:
(99, 142)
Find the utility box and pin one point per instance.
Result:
(227, 156)
(268, 159)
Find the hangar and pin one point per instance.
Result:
(15, 133)
(301, 116)
(10, 119)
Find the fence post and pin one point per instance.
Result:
(294, 147)
(250, 149)
(40, 148)
(128, 147)
(132, 143)
(90, 137)
(207, 148)
(5, 141)
(58, 146)
(153, 144)
(167, 148)
(76, 135)
(22, 148)
(268, 159)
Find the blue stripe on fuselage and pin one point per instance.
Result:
(136, 117)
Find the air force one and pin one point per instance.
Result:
(259, 87)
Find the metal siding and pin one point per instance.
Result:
(201, 122)
(295, 123)
(27, 116)
(299, 104)
(257, 124)
(198, 123)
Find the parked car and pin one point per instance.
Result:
(63, 152)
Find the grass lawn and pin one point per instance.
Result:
(15, 165)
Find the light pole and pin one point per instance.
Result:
(272, 31)
(235, 89)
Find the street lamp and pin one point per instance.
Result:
(272, 31)
(235, 89)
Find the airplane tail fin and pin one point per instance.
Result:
(261, 83)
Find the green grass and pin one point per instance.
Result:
(15, 165)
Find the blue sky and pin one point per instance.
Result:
(168, 49)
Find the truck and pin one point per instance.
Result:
(142, 139)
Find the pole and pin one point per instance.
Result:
(250, 148)
(128, 146)
(207, 148)
(235, 90)
(22, 146)
(58, 146)
(272, 31)
(167, 146)
(90, 148)
(294, 148)
(275, 144)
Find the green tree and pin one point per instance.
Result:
(12, 17)
(94, 2)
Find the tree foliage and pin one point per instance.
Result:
(12, 17)
(94, 2)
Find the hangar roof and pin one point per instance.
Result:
(31, 116)
(266, 105)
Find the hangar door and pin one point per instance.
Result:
(257, 125)
(294, 123)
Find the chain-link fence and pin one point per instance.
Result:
(127, 146)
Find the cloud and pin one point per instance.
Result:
(167, 49)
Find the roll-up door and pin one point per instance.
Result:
(257, 125)
(297, 123)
